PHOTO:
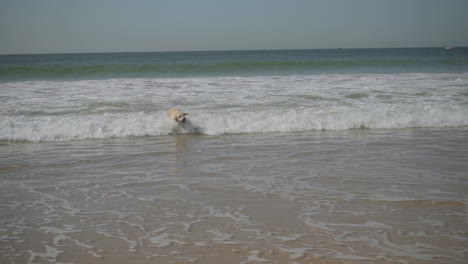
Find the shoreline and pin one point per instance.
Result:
(354, 197)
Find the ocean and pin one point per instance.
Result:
(287, 156)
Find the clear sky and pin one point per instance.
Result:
(61, 26)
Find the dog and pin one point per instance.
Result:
(177, 115)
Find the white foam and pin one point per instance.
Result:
(164, 239)
(50, 255)
(254, 257)
(70, 110)
(295, 253)
(222, 238)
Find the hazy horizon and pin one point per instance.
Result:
(233, 50)
(57, 27)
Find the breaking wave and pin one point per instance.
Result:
(62, 128)
(97, 109)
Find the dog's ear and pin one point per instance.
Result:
(185, 114)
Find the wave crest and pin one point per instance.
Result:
(64, 128)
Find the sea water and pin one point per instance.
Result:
(300, 156)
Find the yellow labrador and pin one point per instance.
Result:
(176, 115)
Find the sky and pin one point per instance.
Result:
(69, 26)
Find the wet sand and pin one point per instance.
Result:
(357, 196)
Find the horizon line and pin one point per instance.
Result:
(227, 50)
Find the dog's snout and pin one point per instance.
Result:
(181, 118)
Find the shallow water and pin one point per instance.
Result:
(353, 196)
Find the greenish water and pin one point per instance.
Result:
(231, 63)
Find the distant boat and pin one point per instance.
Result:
(448, 48)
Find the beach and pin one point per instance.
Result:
(318, 197)
(310, 156)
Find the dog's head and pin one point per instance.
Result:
(180, 117)
(176, 115)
